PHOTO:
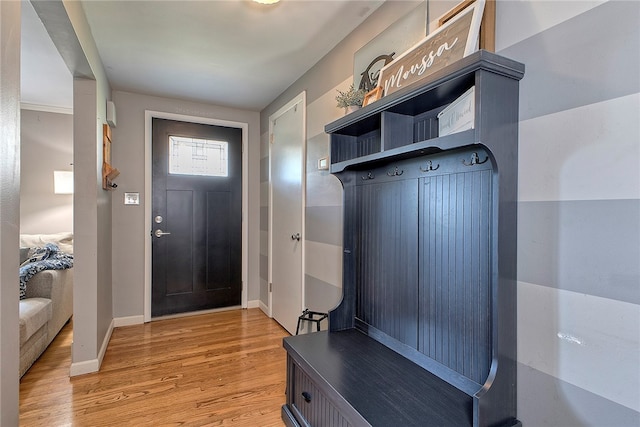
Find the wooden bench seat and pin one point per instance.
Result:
(381, 387)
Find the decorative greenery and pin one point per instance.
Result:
(350, 97)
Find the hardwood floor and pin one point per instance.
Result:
(221, 369)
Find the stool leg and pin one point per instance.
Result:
(318, 323)
(298, 326)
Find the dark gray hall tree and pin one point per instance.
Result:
(425, 334)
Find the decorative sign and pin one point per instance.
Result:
(380, 51)
(446, 45)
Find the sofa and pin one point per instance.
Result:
(48, 302)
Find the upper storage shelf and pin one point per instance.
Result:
(405, 122)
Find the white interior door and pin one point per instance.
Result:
(287, 215)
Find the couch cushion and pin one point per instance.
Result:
(24, 254)
(34, 313)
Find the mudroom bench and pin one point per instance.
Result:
(425, 334)
(346, 378)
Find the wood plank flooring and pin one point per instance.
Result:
(221, 369)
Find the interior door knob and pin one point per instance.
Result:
(160, 233)
(295, 237)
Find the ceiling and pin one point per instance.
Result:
(234, 53)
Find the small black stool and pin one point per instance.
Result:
(307, 315)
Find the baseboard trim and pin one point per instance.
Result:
(93, 365)
(85, 367)
(253, 304)
(264, 308)
(128, 321)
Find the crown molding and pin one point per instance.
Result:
(45, 108)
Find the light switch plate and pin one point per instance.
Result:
(323, 163)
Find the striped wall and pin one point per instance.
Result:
(579, 202)
(579, 210)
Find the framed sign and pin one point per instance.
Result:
(487, 40)
(372, 95)
(381, 50)
(453, 41)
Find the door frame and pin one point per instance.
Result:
(301, 99)
(149, 115)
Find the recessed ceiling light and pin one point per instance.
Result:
(266, 1)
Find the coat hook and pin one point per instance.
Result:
(475, 160)
(429, 167)
(395, 172)
(368, 176)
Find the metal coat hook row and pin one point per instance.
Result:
(395, 172)
(475, 160)
(368, 176)
(429, 167)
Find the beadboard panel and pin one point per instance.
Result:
(387, 240)
(590, 247)
(544, 400)
(570, 336)
(557, 162)
(455, 280)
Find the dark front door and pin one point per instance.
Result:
(197, 217)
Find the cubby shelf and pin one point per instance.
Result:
(405, 122)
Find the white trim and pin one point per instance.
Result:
(148, 116)
(196, 313)
(93, 365)
(45, 108)
(253, 303)
(86, 367)
(264, 308)
(302, 100)
(128, 321)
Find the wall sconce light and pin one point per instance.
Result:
(62, 182)
(266, 1)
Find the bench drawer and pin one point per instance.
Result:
(308, 404)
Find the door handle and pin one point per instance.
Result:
(160, 233)
(295, 237)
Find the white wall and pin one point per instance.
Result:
(9, 208)
(128, 150)
(46, 145)
(579, 201)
